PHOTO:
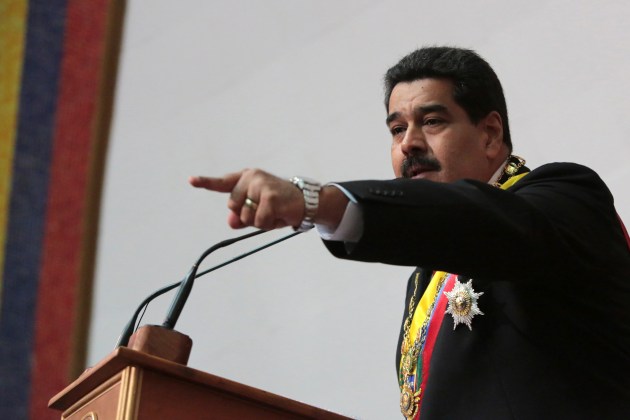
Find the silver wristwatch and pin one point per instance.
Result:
(310, 189)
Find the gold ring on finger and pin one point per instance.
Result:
(251, 204)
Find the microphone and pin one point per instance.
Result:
(186, 285)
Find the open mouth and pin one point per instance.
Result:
(420, 175)
(418, 172)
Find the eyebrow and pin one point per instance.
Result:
(420, 110)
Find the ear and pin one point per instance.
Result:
(492, 125)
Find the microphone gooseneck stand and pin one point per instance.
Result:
(162, 340)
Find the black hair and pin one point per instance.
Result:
(476, 87)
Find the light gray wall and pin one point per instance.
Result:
(209, 87)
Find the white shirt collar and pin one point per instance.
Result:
(498, 173)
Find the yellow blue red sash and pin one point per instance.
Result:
(433, 305)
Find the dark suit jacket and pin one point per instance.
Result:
(550, 257)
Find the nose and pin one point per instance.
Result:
(414, 141)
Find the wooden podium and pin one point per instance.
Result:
(131, 384)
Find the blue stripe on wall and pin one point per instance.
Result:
(27, 208)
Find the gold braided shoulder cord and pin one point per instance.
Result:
(511, 167)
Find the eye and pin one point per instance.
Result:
(396, 130)
(432, 121)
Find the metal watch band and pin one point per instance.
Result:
(310, 189)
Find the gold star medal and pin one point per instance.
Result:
(462, 303)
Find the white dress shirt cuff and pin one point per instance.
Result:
(350, 228)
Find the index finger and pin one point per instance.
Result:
(223, 184)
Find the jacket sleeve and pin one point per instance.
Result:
(556, 213)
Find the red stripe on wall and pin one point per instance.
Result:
(66, 270)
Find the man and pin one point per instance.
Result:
(518, 306)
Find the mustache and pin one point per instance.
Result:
(413, 162)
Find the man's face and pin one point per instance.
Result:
(433, 137)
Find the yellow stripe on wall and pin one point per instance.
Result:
(12, 35)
